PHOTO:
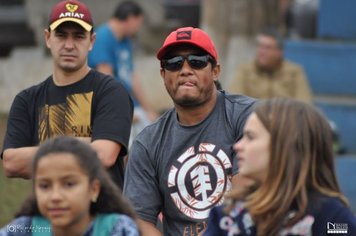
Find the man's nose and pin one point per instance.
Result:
(186, 67)
(69, 43)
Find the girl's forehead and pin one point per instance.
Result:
(58, 161)
(59, 155)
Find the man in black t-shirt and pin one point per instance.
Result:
(75, 100)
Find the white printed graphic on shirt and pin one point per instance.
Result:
(199, 180)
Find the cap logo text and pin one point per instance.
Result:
(72, 14)
(182, 35)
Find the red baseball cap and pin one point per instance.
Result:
(188, 35)
(71, 10)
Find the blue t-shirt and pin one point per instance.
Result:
(118, 53)
(324, 217)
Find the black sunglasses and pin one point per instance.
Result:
(194, 61)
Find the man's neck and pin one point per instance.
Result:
(62, 78)
(271, 69)
(194, 115)
(117, 28)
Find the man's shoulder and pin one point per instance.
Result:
(292, 66)
(106, 86)
(99, 76)
(104, 79)
(238, 100)
(245, 70)
(102, 29)
(35, 89)
(104, 37)
(166, 117)
(160, 126)
(250, 65)
(237, 109)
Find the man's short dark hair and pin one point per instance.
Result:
(273, 33)
(126, 9)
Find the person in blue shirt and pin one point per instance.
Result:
(73, 195)
(286, 150)
(112, 54)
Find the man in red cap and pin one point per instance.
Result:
(184, 163)
(75, 100)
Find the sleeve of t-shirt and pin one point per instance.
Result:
(141, 185)
(242, 114)
(18, 133)
(113, 113)
(102, 51)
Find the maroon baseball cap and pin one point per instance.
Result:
(71, 10)
(188, 35)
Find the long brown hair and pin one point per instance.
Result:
(110, 199)
(301, 162)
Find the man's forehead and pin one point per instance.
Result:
(184, 49)
(266, 39)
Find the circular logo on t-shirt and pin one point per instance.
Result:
(198, 180)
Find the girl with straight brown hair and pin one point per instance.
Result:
(287, 151)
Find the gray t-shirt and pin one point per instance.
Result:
(184, 171)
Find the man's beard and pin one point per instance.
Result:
(189, 102)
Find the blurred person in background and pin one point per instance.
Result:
(112, 54)
(270, 75)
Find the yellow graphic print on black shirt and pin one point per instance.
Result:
(71, 118)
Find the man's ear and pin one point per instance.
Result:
(92, 40)
(162, 72)
(47, 35)
(216, 72)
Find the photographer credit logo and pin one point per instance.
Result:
(11, 228)
(336, 228)
(18, 228)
